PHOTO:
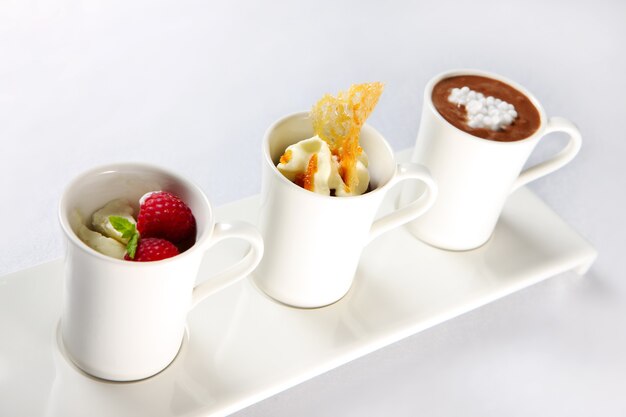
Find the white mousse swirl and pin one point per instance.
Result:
(483, 112)
(101, 223)
(326, 177)
(96, 240)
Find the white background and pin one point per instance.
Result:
(193, 85)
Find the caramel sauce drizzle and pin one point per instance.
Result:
(307, 178)
(286, 157)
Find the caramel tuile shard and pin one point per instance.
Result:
(338, 121)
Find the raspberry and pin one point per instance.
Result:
(164, 215)
(153, 249)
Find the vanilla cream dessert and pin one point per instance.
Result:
(311, 165)
(332, 162)
(101, 223)
(104, 238)
(96, 240)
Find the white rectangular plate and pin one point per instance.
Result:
(244, 347)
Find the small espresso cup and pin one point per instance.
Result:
(313, 242)
(124, 320)
(475, 175)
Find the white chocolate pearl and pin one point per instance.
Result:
(483, 112)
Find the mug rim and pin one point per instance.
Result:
(117, 167)
(470, 71)
(305, 114)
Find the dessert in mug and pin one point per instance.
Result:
(164, 228)
(332, 162)
(487, 108)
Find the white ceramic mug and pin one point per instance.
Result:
(313, 242)
(125, 320)
(475, 175)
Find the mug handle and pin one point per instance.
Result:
(232, 274)
(407, 171)
(555, 124)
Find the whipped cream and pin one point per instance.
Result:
(96, 240)
(296, 163)
(100, 219)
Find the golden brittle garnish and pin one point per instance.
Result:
(338, 121)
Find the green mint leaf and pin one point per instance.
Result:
(128, 231)
(123, 225)
(131, 248)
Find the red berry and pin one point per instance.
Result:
(166, 216)
(153, 249)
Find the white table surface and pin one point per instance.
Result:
(193, 85)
